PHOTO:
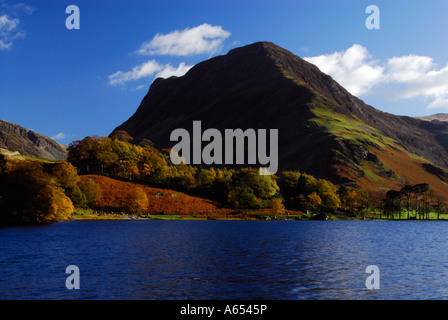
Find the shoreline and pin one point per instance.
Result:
(82, 215)
(167, 217)
(91, 215)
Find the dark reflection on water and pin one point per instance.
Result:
(225, 260)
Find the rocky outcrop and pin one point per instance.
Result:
(15, 138)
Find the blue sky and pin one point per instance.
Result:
(68, 84)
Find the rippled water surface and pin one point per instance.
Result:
(225, 260)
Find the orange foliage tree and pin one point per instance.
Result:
(29, 196)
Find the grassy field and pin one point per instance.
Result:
(81, 214)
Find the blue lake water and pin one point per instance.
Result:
(285, 260)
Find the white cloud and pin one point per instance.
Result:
(9, 31)
(17, 9)
(204, 38)
(62, 136)
(142, 86)
(201, 39)
(145, 70)
(403, 77)
(352, 68)
(169, 71)
(439, 103)
(28, 10)
(408, 68)
(10, 23)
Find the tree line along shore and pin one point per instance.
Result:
(113, 178)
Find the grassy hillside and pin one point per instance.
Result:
(116, 194)
(378, 163)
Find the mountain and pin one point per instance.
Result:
(437, 116)
(15, 138)
(322, 129)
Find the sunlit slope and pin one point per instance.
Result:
(370, 159)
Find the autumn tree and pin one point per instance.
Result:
(241, 197)
(427, 197)
(222, 184)
(275, 204)
(264, 186)
(328, 193)
(354, 200)
(393, 203)
(91, 192)
(66, 177)
(248, 188)
(419, 196)
(81, 153)
(287, 182)
(439, 207)
(156, 170)
(309, 202)
(146, 143)
(137, 201)
(204, 179)
(408, 191)
(121, 135)
(293, 184)
(420, 191)
(306, 184)
(29, 196)
(61, 208)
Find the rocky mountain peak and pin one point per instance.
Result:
(29, 143)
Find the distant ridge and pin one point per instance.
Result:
(15, 138)
(437, 116)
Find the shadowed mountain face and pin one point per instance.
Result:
(29, 143)
(322, 129)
